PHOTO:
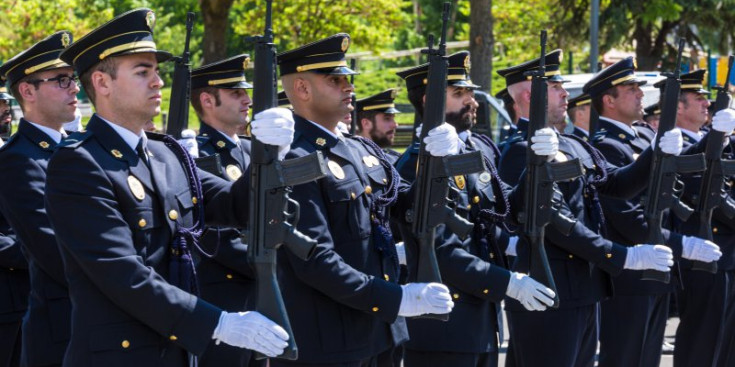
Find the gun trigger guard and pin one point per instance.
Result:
(292, 217)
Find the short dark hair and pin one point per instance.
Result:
(416, 97)
(107, 65)
(370, 115)
(197, 104)
(15, 90)
(597, 100)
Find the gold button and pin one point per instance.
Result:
(368, 190)
(469, 206)
(386, 277)
(714, 229)
(375, 309)
(142, 222)
(173, 214)
(476, 199)
(609, 256)
(194, 200)
(485, 291)
(455, 296)
(173, 338)
(229, 276)
(372, 216)
(352, 194)
(571, 256)
(125, 344)
(385, 181)
(492, 256)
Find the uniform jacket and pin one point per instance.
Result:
(578, 132)
(114, 218)
(14, 282)
(582, 262)
(343, 302)
(23, 161)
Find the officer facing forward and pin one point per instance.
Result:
(128, 208)
(220, 98)
(344, 303)
(46, 89)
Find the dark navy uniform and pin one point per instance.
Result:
(580, 133)
(382, 102)
(725, 238)
(343, 303)
(225, 279)
(14, 290)
(23, 161)
(474, 270)
(124, 223)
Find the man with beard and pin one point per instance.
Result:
(578, 110)
(376, 121)
(6, 116)
(220, 99)
(473, 269)
(45, 88)
(704, 297)
(581, 262)
(643, 304)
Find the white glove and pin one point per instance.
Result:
(671, 142)
(251, 330)
(644, 257)
(423, 298)
(442, 141)
(545, 143)
(189, 142)
(401, 252)
(724, 121)
(533, 295)
(511, 249)
(274, 126)
(418, 130)
(699, 249)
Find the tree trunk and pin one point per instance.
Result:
(481, 42)
(650, 45)
(214, 41)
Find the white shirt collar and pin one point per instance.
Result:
(235, 141)
(55, 135)
(629, 129)
(464, 135)
(128, 136)
(337, 135)
(697, 136)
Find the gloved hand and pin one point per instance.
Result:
(671, 142)
(533, 295)
(423, 298)
(545, 142)
(274, 126)
(644, 257)
(251, 330)
(511, 249)
(401, 252)
(189, 142)
(698, 249)
(724, 121)
(442, 141)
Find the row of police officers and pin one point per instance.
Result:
(121, 247)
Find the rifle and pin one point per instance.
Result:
(539, 183)
(430, 207)
(273, 215)
(178, 110)
(711, 190)
(594, 125)
(353, 114)
(661, 193)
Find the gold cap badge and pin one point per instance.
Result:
(345, 43)
(150, 20)
(65, 40)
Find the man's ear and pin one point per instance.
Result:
(101, 82)
(27, 91)
(366, 124)
(302, 88)
(206, 100)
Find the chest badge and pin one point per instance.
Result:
(460, 181)
(368, 162)
(220, 144)
(136, 188)
(321, 142)
(233, 172)
(336, 170)
(560, 157)
(485, 177)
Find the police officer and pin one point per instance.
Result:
(578, 109)
(128, 208)
(220, 99)
(45, 88)
(376, 120)
(582, 261)
(512, 110)
(6, 115)
(344, 303)
(651, 116)
(474, 270)
(642, 304)
(13, 273)
(703, 296)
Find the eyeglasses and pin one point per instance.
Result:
(63, 80)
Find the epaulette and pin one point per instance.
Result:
(74, 140)
(599, 136)
(154, 136)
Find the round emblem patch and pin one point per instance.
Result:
(368, 162)
(336, 170)
(485, 177)
(136, 188)
(233, 172)
(345, 43)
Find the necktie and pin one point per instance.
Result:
(141, 150)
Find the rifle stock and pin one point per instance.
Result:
(273, 215)
(430, 207)
(661, 192)
(540, 177)
(178, 110)
(711, 190)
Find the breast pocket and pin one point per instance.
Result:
(348, 214)
(142, 223)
